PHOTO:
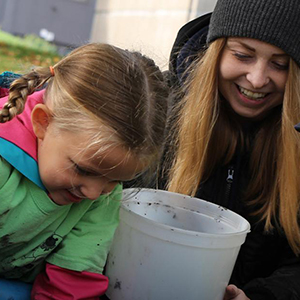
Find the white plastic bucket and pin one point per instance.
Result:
(171, 246)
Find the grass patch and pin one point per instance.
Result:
(19, 55)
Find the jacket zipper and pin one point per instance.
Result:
(229, 181)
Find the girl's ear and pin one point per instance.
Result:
(40, 119)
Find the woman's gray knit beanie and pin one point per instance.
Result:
(273, 21)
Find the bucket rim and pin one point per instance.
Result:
(173, 229)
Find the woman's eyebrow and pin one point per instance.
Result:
(242, 44)
(253, 49)
(281, 55)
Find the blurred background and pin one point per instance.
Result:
(39, 32)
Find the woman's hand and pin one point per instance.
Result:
(233, 293)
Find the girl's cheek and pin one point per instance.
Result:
(109, 187)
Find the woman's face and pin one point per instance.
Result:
(252, 76)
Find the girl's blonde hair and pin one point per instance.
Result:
(205, 137)
(97, 89)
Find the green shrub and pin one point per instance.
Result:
(19, 54)
(30, 41)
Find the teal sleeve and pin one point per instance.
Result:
(86, 247)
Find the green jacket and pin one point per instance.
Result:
(35, 230)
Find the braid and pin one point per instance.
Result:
(20, 89)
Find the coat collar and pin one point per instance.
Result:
(18, 143)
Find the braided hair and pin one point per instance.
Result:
(96, 86)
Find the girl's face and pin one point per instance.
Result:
(71, 172)
(252, 76)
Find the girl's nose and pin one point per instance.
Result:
(91, 192)
(258, 76)
(93, 189)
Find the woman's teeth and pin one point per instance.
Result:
(252, 95)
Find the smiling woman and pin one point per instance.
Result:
(233, 140)
(252, 76)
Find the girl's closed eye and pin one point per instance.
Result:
(81, 171)
(84, 172)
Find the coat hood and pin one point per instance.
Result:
(190, 40)
(18, 143)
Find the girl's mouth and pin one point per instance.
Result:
(72, 197)
(252, 95)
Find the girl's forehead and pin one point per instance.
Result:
(115, 162)
(110, 156)
(99, 156)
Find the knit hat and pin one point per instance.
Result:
(273, 21)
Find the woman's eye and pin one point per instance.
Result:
(241, 56)
(281, 66)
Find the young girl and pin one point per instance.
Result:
(63, 153)
(235, 143)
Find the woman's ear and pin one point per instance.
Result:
(40, 119)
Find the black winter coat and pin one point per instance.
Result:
(266, 267)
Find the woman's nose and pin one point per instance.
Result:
(258, 76)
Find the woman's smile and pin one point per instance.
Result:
(257, 96)
(252, 76)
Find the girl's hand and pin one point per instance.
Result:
(233, 293)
